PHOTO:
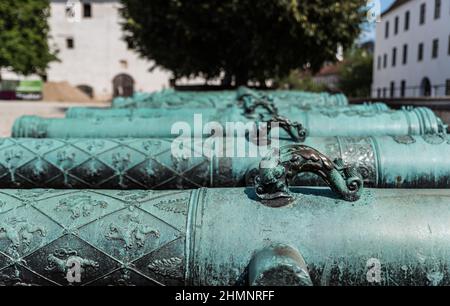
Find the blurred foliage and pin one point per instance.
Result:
(247, 40)
(24, 36)
(300, 81)
(356, 73)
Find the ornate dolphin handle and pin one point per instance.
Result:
(250, 105)
(276, 170)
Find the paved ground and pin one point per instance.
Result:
(10, 110)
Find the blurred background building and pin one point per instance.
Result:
(93, 56)
(412, 50)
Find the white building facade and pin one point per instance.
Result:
(412, 50)
(93, 56)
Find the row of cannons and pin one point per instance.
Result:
(354, 195)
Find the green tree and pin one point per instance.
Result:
(243, 40)
(356, 73)
(24, 35)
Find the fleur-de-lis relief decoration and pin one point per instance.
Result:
(95, 145)
(149, 145)
(65, 161)
(39, 144)
(39, 168)
(120, 164)
(12, 160)
(92, 170)
(149, 169)
(2, 204)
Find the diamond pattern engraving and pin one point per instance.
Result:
(93, 172)
(4, 261)
(8, 202)
(75, 210)
(38, 171)
(124, 277)
(100, 163)
(165, 265)
(173, 208)
(17, 275)
(56, 259)
(129, 234)
(24, 230)
(115, 237)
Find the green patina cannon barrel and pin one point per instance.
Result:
(170, 99)
(384, 162)
(192, 99)
(298, 99)
(87, 112)
(417, 121)
(223, 237)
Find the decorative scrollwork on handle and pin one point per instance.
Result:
(250, 101)
(295, 130)
(277, 170)
(251, 104)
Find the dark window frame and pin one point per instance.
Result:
(394, 57)
(392, 89)
(447, 87)
(437, 9)
(423, 13)
(449, 45)
(407, 19)
(403, 89)
(396, 25)
(386, 30)
(87, 10)
(385, 60)
(405, 54)
(70, 43)
(435, 50)
(420, 52)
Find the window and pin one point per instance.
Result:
(405, 54)
(407, 14)
(449, 45)
(385, 58)
(420, 52)
(379, 62)
(70, 43)
(403, 89)
(392, 89)
(437, 9)
(394, 57)
(435, 48)
(379, 92)
(447, 88)
(87, 10)
(386, 30)
(423, 10)
(384, 92)
(396, 25)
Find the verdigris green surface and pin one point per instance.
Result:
(210, 237)
(386, 162)
(418, 121)
(218, 99)
(87, 112)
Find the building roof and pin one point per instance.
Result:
(394, 6)
(330, 69)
